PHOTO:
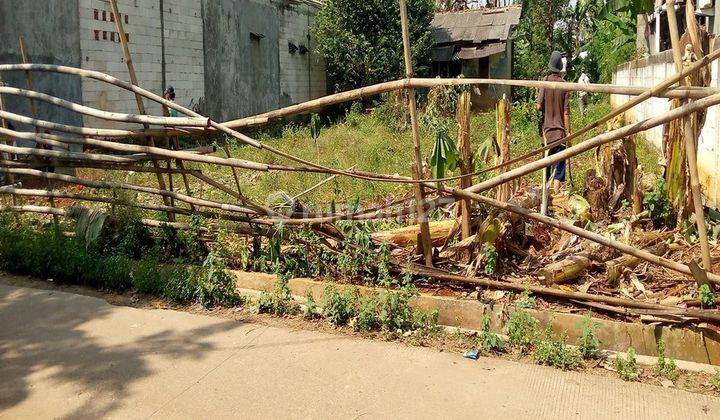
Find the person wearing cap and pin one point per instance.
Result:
(170, 96)
(555, 107)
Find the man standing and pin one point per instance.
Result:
(584, 80)
(555, 106)
(170, 96)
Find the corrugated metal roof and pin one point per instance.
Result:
(475, 25)
(479, 52)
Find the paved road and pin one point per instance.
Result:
(66, 355)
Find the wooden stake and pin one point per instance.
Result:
(504, 191)
(34, 113)
(9, 178)
(138, 97)
(466, 162)
(417, 171)
(690, 146)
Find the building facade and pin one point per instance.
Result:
(225, 58)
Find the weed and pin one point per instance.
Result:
(123, 231)
(367, 318)
(715, 380)
(526, 300)
(522, 330)
(490, 342)
(310, 310)
(627, 368)
(280, 301)
(491, 258)
(588, 343)
(216, 286)
(665, 366)
(338, 307)
(657, 203)
(707, 297)
(553, 351)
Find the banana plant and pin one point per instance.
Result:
(445, 155)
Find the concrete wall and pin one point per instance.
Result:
(241, 73)
(101, 50)
(650, 71)
(302, 75)
(50, 31)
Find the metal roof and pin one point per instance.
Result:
(475, 26)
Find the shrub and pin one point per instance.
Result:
(553, 351)
(216, 286)
(707, 297)
(588, 343)
(280, 301)
(665, 367)
(526, 300)
(367, 318)
(310, 311)
(491, 258)
(657, 203)
(627, 368)
(338, 307)
(490, 341)
(522, 330)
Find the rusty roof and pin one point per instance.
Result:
(475, 26)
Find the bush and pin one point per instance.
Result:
(490, 341)
(367, 318)
(588, 343)
(553, 351)
(707, 297)
(627, 368)
(657, 203)
(665, 367)
(280, 301)
(338, 307)
(310, 311)
(522, 330)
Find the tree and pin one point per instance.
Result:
(361, 41)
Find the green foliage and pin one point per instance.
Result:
(368, 314)
(362, 41)
(553, 351)
(627, 368)
(315, 126)
(657, 203)
(522, 330)
(391, 113)
(715, 381)
(280, 301)
(707, 297)
(612, 44)
(665, 366)
(588, 343)
(178, 246)
(310, 310)
(123, 231)
(491, 258)
(338, 307)
(216, 286)
(489, 341)
(445, 155)
(526, 300)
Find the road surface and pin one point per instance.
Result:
(65, 355)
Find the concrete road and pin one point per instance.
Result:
(65, 355)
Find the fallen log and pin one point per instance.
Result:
(565, 270)
(616, 267)
(407, 236)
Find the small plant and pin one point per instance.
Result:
(217, 286)
(657, 203)
(588, 343)
(310, 311)
(279, 302)
(491, 258)
(526, 300)
(338, 307)
(367, 318)
(490, 341)
(707, 297)
(627, 368)
(522, 330)
(553, 351)
(715, 380)
(665, 366)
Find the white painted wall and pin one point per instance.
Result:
(650, 71)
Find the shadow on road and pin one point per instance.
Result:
(42, 332)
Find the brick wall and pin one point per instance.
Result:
(302, 71)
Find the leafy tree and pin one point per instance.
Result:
(362, 40)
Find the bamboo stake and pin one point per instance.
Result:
(417, 171)
(503, 139)
(705, 315)
(138, 98)
(319, 184)
(690, 146)
(174, 144)
(466, 163)
(3, 124)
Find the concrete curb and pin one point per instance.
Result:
(681, 343)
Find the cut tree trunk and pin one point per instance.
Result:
(565, 270)
(616, 267)
(407, 236)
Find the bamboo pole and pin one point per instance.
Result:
(127, 186)
(3, 125)
(173, 144)
(705, 315)
(417, 170)
(504, 191)
(690, 146)
(104, 115)
(138, 98)
(466, 162)
(319, 184)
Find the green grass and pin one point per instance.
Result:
(371, 145)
